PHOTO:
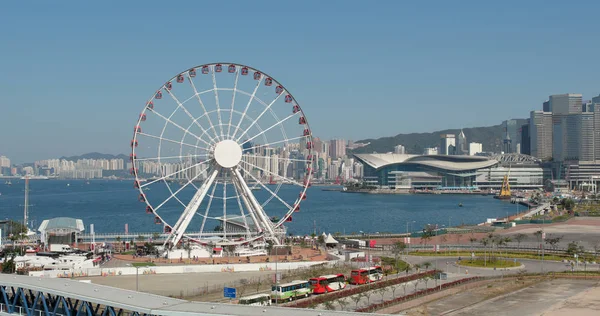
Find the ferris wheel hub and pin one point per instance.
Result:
(228, 153)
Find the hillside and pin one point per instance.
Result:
(95, 155)
(491, 137)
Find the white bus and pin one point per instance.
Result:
(256, 300)
(290, 291)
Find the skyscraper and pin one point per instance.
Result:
(540, 132)
(566, 128)
(461, 144)
(525, 139)
(447, 144)
(512, 129)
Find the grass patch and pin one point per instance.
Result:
(517, 255)
(480, 263)
(388, 261)
(143, 264)
(130, 252)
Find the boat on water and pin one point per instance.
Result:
(460, 205)
(8, 182)
(256, 188)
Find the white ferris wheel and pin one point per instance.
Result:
(222, 155)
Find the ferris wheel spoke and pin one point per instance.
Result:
(168, 120)
(210, 199)
(166, 177)
(172, 141)
(277, 142)
(246, 108)
(255, 206)
(212, 126)
(237, 76)
(194, 121)
(224, 209)
(186, 217)
(260, 115)
(267, 188)
(171, 157)
(214, 79)
(174, 194)
(273, 174)
(270, 127)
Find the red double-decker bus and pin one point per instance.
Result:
(327, 283)
(366, 275)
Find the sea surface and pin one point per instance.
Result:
(110, 204)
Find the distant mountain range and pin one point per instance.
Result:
(491, 137)
(95, 155)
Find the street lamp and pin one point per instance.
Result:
(277, 273)
(408, 236)
(136, 276)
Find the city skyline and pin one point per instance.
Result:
(83, 94)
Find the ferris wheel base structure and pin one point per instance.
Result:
(216, 128)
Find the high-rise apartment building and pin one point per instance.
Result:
(337, 148)
(475, 148)
(399, 149)
(540, 133)
(447, 144)
(4, 162)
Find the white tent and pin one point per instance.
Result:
(330, 241)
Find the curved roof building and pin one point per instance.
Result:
(397, 171)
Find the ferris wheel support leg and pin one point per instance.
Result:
(179, 229)
(256, 208)
(249, 206)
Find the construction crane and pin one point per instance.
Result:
(505, 190)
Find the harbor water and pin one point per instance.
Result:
(110, 204)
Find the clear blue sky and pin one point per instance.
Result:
(74, 73)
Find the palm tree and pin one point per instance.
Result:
(485, 242)
(417, 267)
(472, 240)
(427, 265)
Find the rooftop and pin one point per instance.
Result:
(446, 162)
(148, 303)
(62, 223)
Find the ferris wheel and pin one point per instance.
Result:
(222, 154)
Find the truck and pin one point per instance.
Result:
(60, 248)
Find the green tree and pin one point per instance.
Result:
(574, 248)
(553, 241)
(397, 248)
(321, 240)
(519, 238)
(155, 236)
